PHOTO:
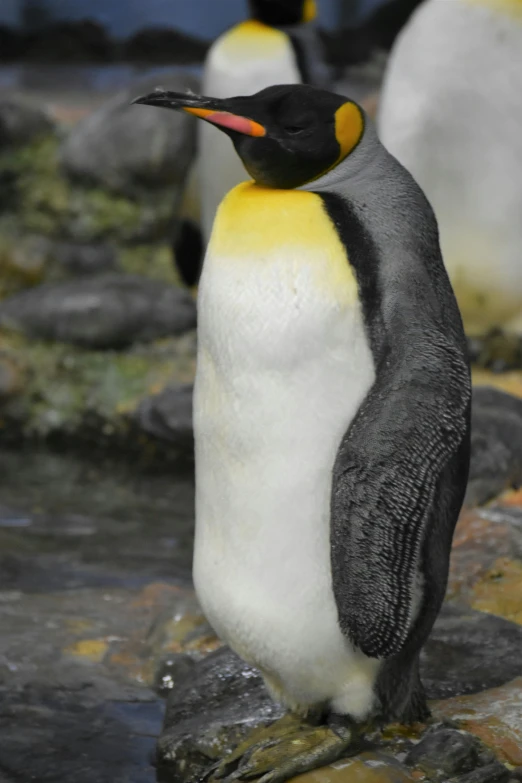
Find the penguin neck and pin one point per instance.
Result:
(254, 27)
(359, 171)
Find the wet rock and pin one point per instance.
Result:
(225, 698)
(48, 729)
(481, 537)
(495, 716)
(178, 637)
(210, 713)
(468, 652)
(21, 122)
(76, 41)
(105, 311)
(168, 415)
(496, 444)
(368, 767)
(492, 773)
(172, 672)
(84, 582)
(78, 258)
(445, 750)
(128, 148)
(59, 699)
(162, 45)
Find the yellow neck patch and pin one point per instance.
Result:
(309, 10)
(289, 227)
(512, 8)
(253, 38)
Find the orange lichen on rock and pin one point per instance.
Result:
(477, 543)
(499, 592)
(495, 716)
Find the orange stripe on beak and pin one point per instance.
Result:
(226, 120)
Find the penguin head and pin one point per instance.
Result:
(280, 13)
(286, 136)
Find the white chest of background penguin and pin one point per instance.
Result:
(277, 45)
(451, 112)
(331, 408)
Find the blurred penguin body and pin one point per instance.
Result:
(243, 61)
(451, 113)
(279, 45)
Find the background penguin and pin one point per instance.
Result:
(451, 112)
(279, 43)
(331, 417)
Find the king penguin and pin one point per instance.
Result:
(331, 419)
(451, 112)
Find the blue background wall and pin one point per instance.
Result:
(206, 18)
(10, 11)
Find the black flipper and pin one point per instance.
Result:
(385, 488)
(401, 469)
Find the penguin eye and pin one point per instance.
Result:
(293, 129)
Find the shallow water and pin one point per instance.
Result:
(66, 523)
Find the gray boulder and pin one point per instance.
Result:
(102, 311)
(130, 148)
(496, 444)
(21, 122)
(83, 258)
(168, 415)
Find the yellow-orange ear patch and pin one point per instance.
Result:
(349, 128)
(309, 10)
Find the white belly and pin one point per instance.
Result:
(239, 63)
(282, 369)
(451, 113)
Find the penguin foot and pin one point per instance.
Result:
(287, 748)
(496, 351)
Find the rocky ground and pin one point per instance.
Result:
(93, 320)
(102, 641)
(100, 624)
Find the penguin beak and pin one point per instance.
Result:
(211, 110)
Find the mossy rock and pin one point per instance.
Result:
(89, 397)
(28, 259)
(44, 202)
(23, 261)
(154, 261)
